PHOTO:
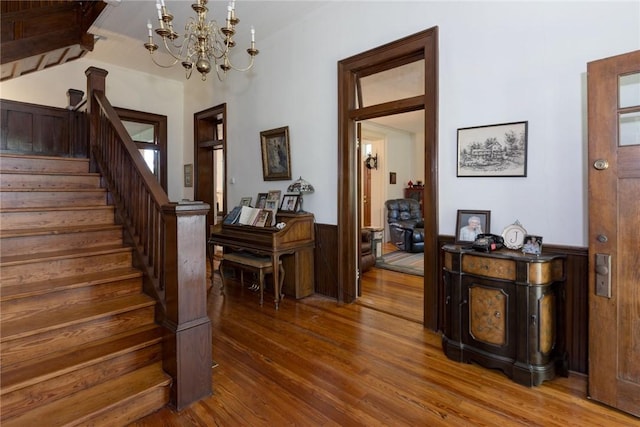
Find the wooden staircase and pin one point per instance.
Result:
(78, 342)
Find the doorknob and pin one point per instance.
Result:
(601, 164)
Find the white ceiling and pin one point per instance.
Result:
(121, 31)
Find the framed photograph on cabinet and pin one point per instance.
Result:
(276, 155)
(493, 151)
(532, 245)
(261, 199)
(245, 201)
(290, 203)
(471, 223)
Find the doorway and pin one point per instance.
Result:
(210, 136)
(353, 107)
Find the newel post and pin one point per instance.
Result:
(187, 346)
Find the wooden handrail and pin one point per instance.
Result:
(169, 241)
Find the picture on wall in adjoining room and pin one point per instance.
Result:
(493, 150)
(471, 223)
(188, 175)
(276, 155)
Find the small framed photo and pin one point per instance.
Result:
(392, 177)
(276, 155)
(470, 223)
(290, 203)
(274, 195)
(261, 199)
(532, 245)
(245, 201)
(493, 151)
(188, 175)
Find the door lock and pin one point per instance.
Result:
(603, 275)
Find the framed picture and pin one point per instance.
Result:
(471, 223)
(276, 156)
(392, 177)
(532, 245)
(494, 150)
(272, 206)
(245, 201)
(188, 175)
(274, 195)
(261, 199)
(290, 203)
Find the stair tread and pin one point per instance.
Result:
(25, 290)
(26, 373)
(56, 208)
(65, 316)
(68, 253)
(35, 231)
(54, 190)
(55, 173)
(101, 398)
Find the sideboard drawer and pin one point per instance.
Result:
(489, 267)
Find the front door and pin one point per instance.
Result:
(614, 231)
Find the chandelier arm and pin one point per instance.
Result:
(165, 66)
(247, 68)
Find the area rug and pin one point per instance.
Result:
(404, 262)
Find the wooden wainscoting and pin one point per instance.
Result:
(326, 260)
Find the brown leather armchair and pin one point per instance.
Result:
(367, 257)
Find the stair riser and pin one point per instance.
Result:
(131, 410)
(44, 164)
(38, 271)
(11, 180)
(56, 218)
(60, 386)
(58, 242)
(75, 335)
(24, 307)
(45, 199)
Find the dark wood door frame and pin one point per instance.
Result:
(210, 134)
(423, 45)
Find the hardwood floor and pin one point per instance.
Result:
(394, 293)
(315, 362)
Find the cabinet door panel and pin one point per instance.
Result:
(488, 314)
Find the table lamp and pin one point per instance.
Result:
(301, 187)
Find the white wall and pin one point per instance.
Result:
(499, 62)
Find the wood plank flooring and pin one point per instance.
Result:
(315, 362)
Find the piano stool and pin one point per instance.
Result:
(261, 265)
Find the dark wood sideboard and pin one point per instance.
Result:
(504, 310)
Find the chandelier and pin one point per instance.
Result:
(203, 44)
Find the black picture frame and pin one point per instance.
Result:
(276, 154)
(463, 222)
(498, 150)
(290, 203)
